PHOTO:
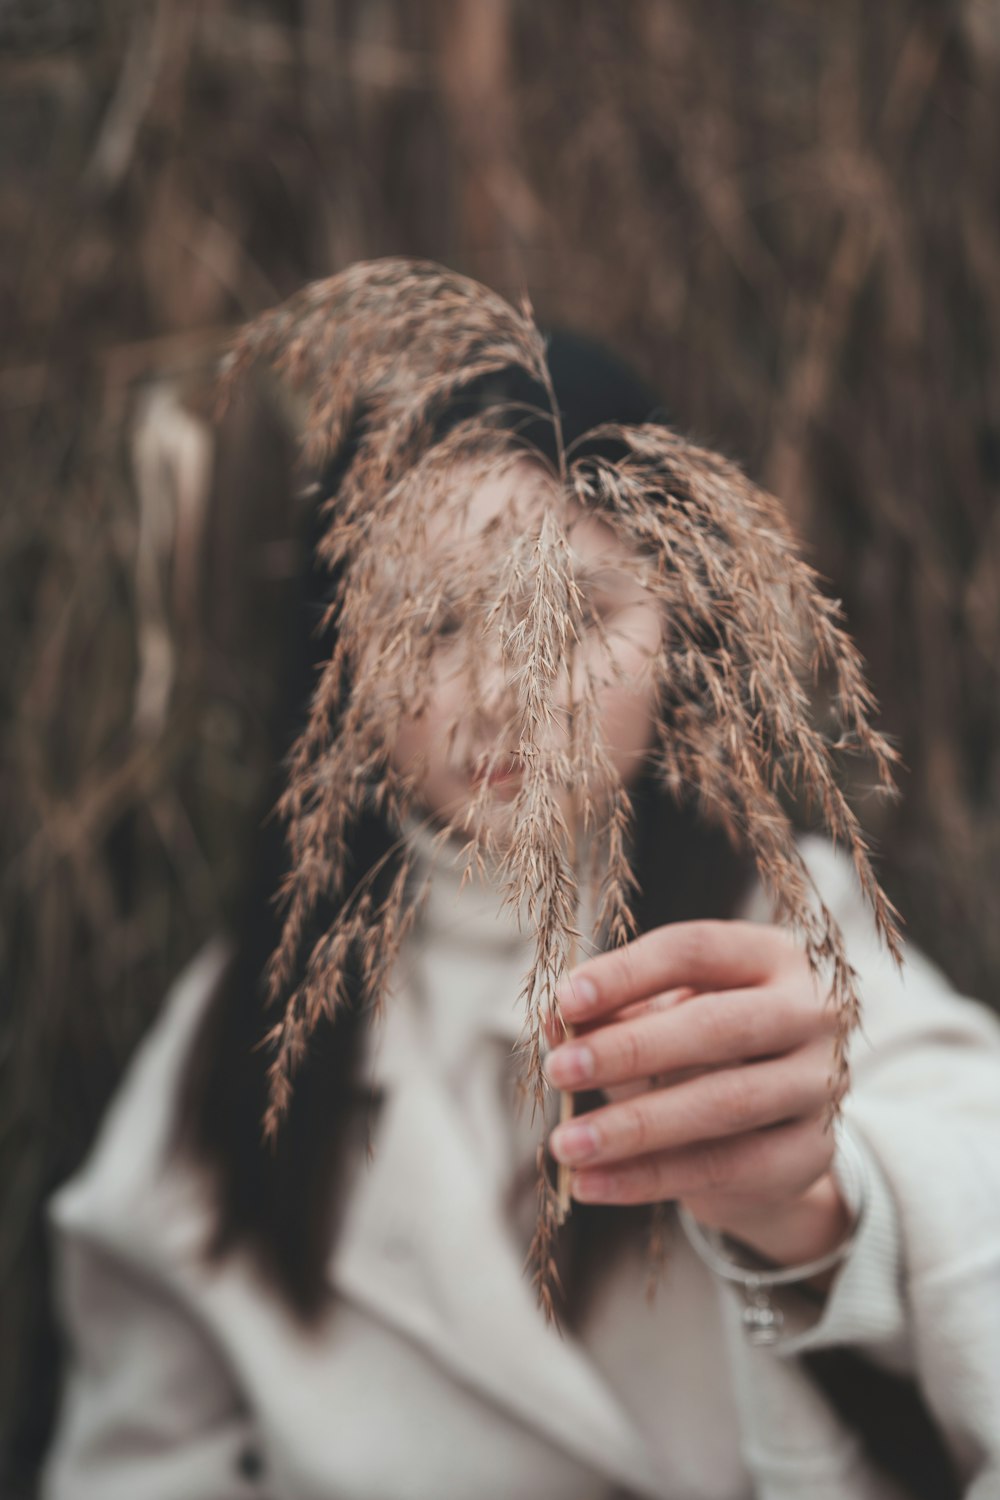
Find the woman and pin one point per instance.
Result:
(294, 1320)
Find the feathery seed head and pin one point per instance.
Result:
(519, 630)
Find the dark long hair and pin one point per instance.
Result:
(284, 1201)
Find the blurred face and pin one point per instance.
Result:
(463, 743)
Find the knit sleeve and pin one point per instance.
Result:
(920, 1288)
(865, 1306)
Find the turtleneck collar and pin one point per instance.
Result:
(472, 911)
(459, 974)
(461, 971)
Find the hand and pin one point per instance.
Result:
(725, 1043)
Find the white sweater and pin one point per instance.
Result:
(434, 1375)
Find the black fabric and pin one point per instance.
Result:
(889, 1415)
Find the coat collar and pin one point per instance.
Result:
(427, 1249)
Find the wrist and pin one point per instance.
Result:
(804, 1229)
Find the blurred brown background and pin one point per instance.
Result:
(785, 213)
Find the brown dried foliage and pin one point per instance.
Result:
(797, 242)
(746, 630)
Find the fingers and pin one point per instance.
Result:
(765, 1165)
(714, 1105)
(652, 1005)
(555, 1030)
(700, 955)
(705, 1031)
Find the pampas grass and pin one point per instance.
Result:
(381, 349)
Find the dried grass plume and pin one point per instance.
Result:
(378, 353)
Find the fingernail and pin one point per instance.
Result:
(573, 1063)
(574, 1143)
(577, 995)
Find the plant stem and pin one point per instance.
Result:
(564, 1199)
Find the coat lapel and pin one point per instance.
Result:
(427, 1249)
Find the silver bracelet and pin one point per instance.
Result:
(763, 1322)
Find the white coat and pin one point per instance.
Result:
(434, 1376)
